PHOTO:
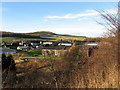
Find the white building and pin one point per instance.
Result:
(92, 44)
(22, 47)
(50, 43)
(65, 44)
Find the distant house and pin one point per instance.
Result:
(91, 47)
(3, 43)
(23, 43)
(35, 43)
(12, 45)
(92, 44)
(79, 42)
(23, 48)
(15, 43)
(50, 43)
(26, 45)
(56, 50)
(7, 51)
(65, 44)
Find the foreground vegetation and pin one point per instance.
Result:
(73, 70)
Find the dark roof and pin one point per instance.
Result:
(34, 41)
(57, 47)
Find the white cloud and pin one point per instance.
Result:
(86, 13)
(73, 16)
(86, 25)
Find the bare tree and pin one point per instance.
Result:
(112, 23)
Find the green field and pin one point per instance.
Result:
(8, 39)
(33, 54)
(42, 36)
(52, 38)
(67, 37)
(41, 57)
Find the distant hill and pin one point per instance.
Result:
(18, 35)
(42, 35)
(48, 33)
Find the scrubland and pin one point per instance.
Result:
(74, 70)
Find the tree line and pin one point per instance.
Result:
(18, 35)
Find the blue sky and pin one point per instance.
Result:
(76, 18)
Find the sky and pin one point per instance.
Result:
(75, 18)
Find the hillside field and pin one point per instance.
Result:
(43, 36)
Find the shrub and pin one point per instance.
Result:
(11, 62)
(4, 62)
(8, 62)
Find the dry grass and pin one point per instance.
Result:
(98, 71)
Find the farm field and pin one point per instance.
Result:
(9, 39)
(63, 37)
(47, 36)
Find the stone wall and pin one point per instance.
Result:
(53, 52)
